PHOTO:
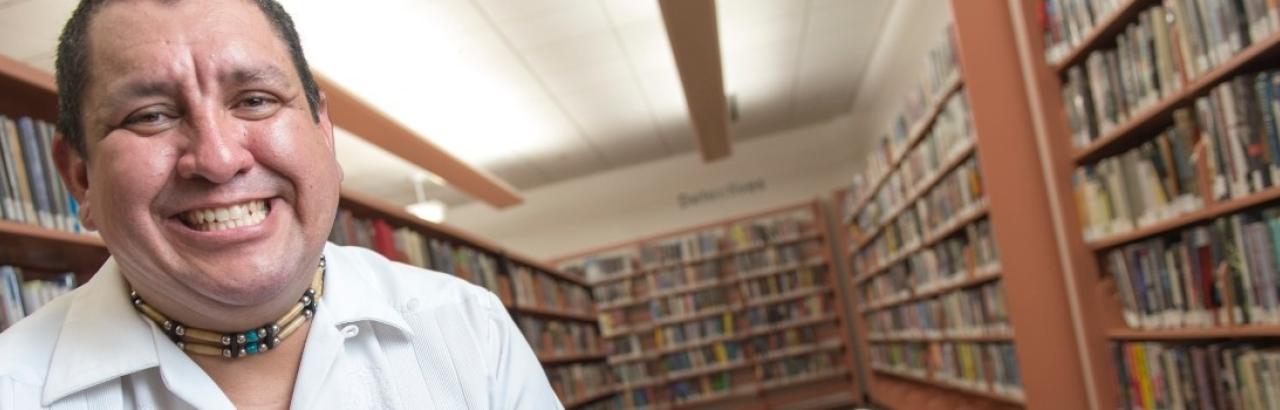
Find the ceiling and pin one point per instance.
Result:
(541, 91)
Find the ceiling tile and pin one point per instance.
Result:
(581, 19)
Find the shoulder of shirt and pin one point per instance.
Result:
(27, 347)
(401, 282)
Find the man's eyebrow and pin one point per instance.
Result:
(141, 89)
(267, 74)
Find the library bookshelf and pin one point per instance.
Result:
(1204, 313)
(959, 297)
(742, 313)
(563, 326)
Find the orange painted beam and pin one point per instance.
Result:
(695, 42)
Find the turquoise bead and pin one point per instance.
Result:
(252, 349)
(251, 336)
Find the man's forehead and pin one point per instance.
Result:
(157, 37)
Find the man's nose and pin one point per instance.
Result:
(217, 150)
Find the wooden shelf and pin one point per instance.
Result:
(831, 344)
(644, 270)
(921, 188)
(703, 370)
(972, 278)
(917, 133)
(554, 313)
(706, 398)
(806, 378)
(1207, 333)
(989, 337)
(931, 382)
(1214, 210)
(1145, 123)
(976, 211)
(1102, 34)
(812, 262)
(550, 359)
(602, 393)
(32, 246)
(789, 296)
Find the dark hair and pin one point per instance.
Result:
(72, 65)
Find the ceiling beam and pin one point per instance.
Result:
(695, 42)
(353, 114)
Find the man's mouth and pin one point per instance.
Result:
(249, 213)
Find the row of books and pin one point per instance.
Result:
(776, 258)
(692, 246)
(691, 389)
(798, 366)
(1215, 274)
(963, 312)
(579, 380)
(1068, 22)
(948, 137)
(762, 231)
(1142, 186)
(942, 67)
(689, 303)
(598, 267)
(985, 366)
(764, 344)
(901, 243)
(718, 353)
(979, 366)
(773, 285)
(1197, 376)
(957, 193)
(546, 291)
(787, 311)
(19, 297)
(668, 336)
(679, 277)
(30, 190)
(1168, 45)
(559, 337)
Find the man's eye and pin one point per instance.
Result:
(154, 117)
(256, 102)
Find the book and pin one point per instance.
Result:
(30, 190)
(1169, 44)
(21, 297)
(1197, 375)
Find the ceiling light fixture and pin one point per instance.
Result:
(432, 210)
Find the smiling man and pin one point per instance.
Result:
(200, 147)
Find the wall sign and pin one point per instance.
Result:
(727, 191)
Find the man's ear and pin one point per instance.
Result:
(326, 127)
(74, 170)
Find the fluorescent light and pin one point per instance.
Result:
(430, 211)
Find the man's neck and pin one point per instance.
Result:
(262, 381)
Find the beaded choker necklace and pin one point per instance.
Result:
(234, 345)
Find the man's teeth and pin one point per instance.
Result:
(216, 219)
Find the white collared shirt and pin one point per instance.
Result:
(386, 336)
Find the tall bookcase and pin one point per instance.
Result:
(953, 259)
(552, 309)
(741, 313)
(1171, 271)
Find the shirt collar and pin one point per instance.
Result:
(104, 338)
(352, 294)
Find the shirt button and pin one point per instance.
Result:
(412, 306)
(350, 331)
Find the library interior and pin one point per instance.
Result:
(781, 204)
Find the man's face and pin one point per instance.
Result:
(207, 175)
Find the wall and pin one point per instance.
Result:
(795, 165)
(641, 200)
